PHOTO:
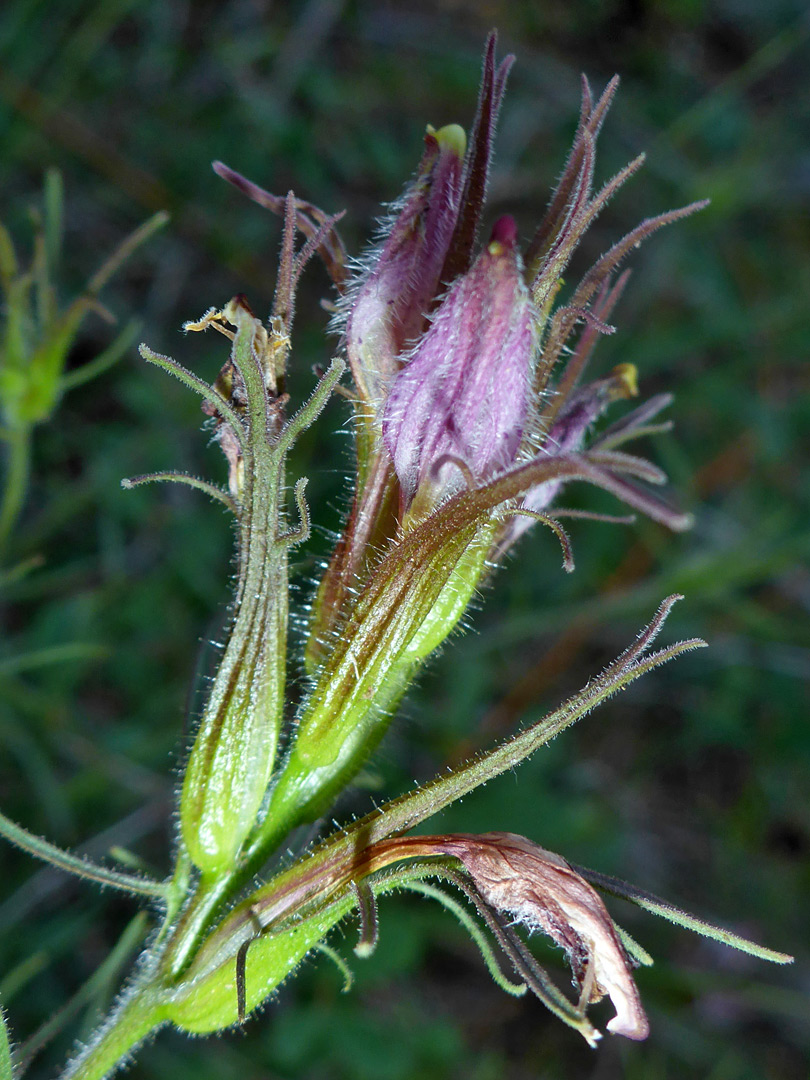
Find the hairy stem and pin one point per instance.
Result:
(137, 1016)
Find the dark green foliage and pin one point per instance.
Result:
(694, 784)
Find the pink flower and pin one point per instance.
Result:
(462, 397)
(390, 303)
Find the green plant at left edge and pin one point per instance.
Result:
(37, 337)
(471, 417)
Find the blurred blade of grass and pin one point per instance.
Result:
(80, 48)
(95, 993)
(105, 360)
(769, 56)
(53, 224)
(15, 485)
(64, 128)
(47, 243)
(21, 32)
(55, 654)
(316, 21)
(23, 745)
(20, 975)
(13, 574)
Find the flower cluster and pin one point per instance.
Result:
(465, 374)
(471, 416)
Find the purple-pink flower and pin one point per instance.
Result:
(467, 363)
(389, 305)
(456, 412)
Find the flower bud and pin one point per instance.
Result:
(458, 408)
(390, 304)
(232, 758)
(408, 607)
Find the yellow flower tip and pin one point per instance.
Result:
(452, 138)
(626, 376)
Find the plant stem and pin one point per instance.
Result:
(16, 480)
(209, 894)
(135, 884)
(137, 1015)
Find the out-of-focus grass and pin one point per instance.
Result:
(694, 785)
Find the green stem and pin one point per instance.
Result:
(208, 895)
(137, 1016)
(17, 468)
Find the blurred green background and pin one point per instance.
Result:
(695, 785)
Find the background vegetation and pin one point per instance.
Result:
(695, 784)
